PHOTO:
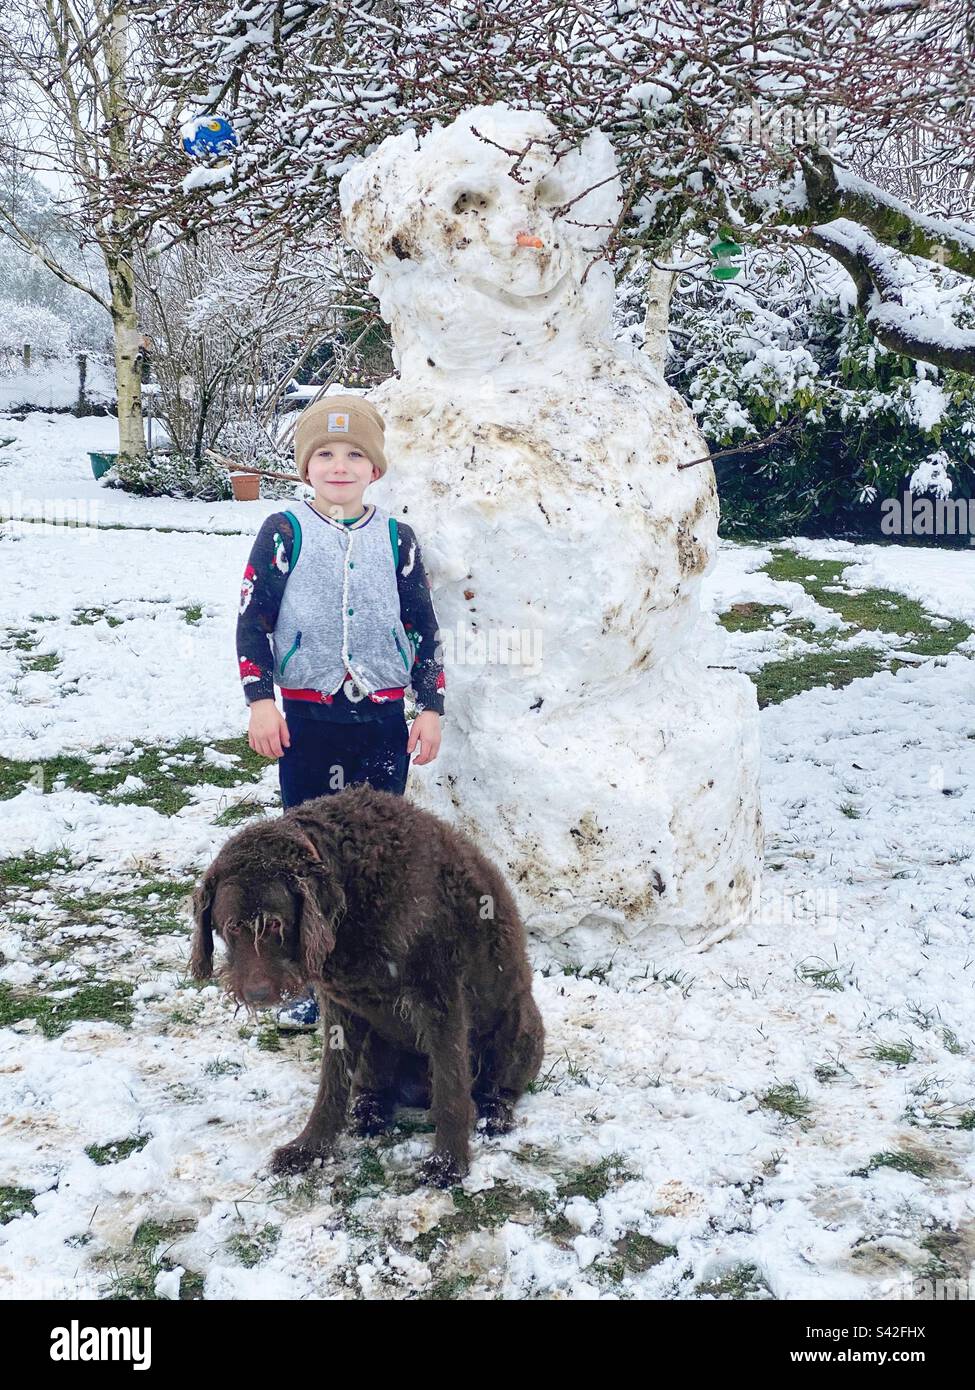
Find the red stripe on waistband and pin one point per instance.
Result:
(316, 696)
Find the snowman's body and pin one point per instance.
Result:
(589, 749)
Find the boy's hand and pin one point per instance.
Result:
(425, 730)
(268, 733)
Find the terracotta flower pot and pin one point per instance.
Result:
(246, 486)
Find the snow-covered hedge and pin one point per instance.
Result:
(789, 345)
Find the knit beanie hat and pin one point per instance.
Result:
(343, 419)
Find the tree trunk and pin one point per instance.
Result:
(128, 364)
(119, 252)
(660, 284)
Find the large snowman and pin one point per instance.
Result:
(594, 745)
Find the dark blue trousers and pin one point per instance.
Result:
(327, 756)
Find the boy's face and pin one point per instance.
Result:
(340, 474)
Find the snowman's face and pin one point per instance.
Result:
(503, 238)
(464, 231)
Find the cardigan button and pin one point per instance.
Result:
(350, 612)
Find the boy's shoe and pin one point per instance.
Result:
(300, 1016)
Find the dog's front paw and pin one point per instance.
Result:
(297, 1156)
(442, 1170)
(370, 1116)
(497, 1116)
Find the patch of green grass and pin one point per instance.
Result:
(743, 1282)
(750, 617)
(874, 610)
(30, 870)
(166, 787)
(552, 1080)
(251, 1249)
(788, 1101)
(14, 1202)
(150, 1234)
(404, 1126)
(223, 1066)
(50, 661)
(107, 1001)
(679, 978)
(135, 1280)
(947, 1250)
(449, 1289)
(479, 1211)
(268, 1038)
(815, 971)
(239, 811)
(900, 1053)
(633, 1254)
(835, 667)
(367, 1176)
(154, 908)
(88, 617)
(837, 663)
(192, 613)
(597, 972)
(900, 1161)
(117, 1150)
(595, 1180)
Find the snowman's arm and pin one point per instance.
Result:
(420, 620)
(261, 591)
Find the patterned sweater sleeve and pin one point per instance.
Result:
(261, 591)
(420, 622)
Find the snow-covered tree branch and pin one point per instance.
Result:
(765, 122)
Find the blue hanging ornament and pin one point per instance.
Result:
(206, 136)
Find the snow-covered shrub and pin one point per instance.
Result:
(169, 475)
(20, 324)
(789, 347)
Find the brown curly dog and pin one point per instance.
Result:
(417, 954)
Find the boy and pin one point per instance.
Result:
(335, 608)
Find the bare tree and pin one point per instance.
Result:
(228, 332)
(81, 98)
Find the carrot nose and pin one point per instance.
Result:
(526, 239)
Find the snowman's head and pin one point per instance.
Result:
(481, 234)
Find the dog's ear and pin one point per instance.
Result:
(201, 950)
(322, 904)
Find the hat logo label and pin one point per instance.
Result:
(338, 421)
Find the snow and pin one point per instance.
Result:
(662, 1059)
(658, 1052)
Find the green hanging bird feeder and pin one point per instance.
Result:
(723, 250)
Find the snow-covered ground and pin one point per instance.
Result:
(788, 1114)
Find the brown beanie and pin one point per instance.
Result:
(343, 419)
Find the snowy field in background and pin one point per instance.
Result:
(787, 1115)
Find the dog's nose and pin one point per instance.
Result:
(258, 994)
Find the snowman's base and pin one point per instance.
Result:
(631, 813)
